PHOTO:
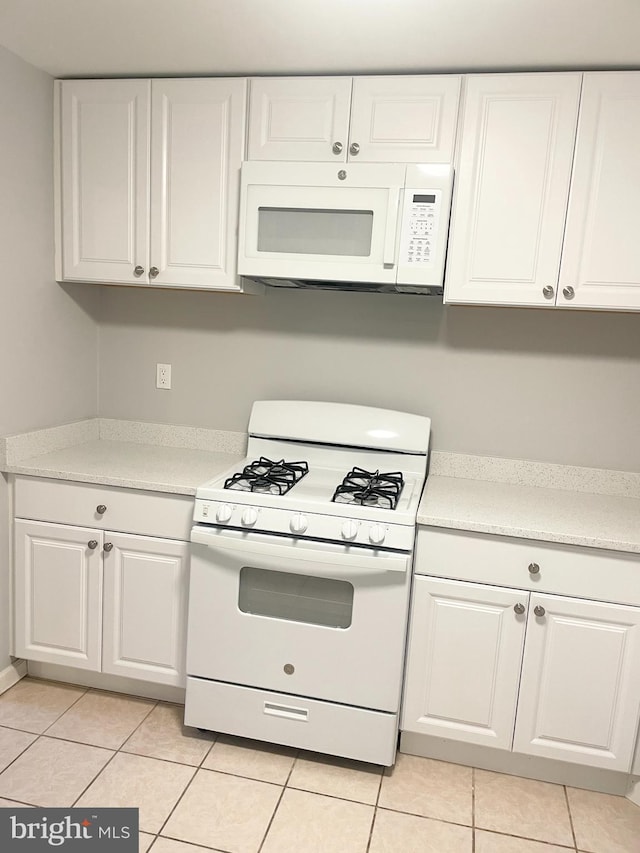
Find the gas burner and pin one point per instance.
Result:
(370, 488)
(268, 477)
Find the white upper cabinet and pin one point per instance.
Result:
(104, 181)
(370, 119)
(197, 143)
(149, 183)
(292, 118)
(601, 261)
(404, 119)
(512, 182)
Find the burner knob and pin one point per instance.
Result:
(298, 523)
(350, 530)
(224, 513)
(249, 516)
(377, 534)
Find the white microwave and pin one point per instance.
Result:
(373, 226)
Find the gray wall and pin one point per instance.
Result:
(547, 385)
(48, 337)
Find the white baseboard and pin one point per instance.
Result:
(516, 764)
(114, 683)
(12, 674)
(633, 793)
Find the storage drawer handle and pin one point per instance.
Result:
(287, 711)
(534, 569)
(101, 509)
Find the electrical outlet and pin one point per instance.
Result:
(163, 376)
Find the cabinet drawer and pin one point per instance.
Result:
(292, 720)
(127, 510)
(563, 569)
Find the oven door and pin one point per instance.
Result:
(304, 221)
(314, 619)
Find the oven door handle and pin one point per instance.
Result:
(345, 560)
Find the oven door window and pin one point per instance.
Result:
(295, 598)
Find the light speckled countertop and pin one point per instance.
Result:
(129, 465)
(569, 513)
(130, 455)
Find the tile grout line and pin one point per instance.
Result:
(573, 832)
(275, 811)
(195, 768)
(375, 807)
(473, 810)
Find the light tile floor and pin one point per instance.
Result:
(63, 746)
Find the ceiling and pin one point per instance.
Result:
(185, 37)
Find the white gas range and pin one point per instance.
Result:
(300, 579)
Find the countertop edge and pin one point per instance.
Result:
(530, 533)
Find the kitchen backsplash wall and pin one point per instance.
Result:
(545, 385)
(48, 342)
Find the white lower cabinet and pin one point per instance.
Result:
(465, 653)
(580, 687)
(58, 594)
(145, 607)
(95, 599)
(539, 674)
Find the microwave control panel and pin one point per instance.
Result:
(420, 226)
(425, 210)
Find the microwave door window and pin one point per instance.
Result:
(300, 231)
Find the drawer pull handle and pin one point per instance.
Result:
(101, 509)
(534, 569)
(519, 608)
(92, 543)
(538, 610)
(287, 711)
(108, 546)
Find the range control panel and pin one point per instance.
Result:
(420, 224)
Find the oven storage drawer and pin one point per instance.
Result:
(342, 730)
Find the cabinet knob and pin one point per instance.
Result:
(138, 271)
(519, 608)
(539, 610)
(548, 292)
(92, 543)
(154, 272)
(101, 509)
(534, 569)
(354, 148)
(108, 546)
(337, 147)
(568, 292)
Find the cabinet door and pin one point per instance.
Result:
(404, 119)
(600, 259)
(58, 594)
(299, 118)
(464, 658)
(512, 185)
(580, 689)
(104, 184)
(145, 601)
(197, 135)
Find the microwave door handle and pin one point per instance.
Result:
(389, 251)
(344, 561)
